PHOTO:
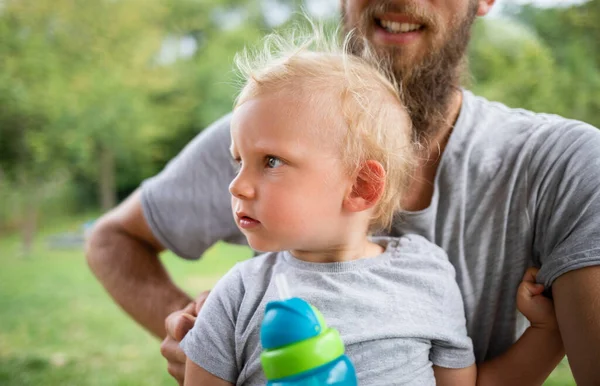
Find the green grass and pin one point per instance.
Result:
(58, 326)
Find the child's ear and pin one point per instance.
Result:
(367, 188)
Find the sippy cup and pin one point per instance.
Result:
(298, 347)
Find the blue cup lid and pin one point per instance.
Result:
(289, 321)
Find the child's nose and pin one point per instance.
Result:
(241, 187)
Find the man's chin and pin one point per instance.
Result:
(403, 60)
(403, 66)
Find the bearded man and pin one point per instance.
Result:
(498, 189)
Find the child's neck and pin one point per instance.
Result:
(348, 251)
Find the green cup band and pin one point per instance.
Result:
(302, 356)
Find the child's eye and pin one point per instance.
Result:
(273, 162)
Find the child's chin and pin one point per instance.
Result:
(264, 246)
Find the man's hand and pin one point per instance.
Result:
(177, 324)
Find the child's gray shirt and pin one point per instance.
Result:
(397, 313)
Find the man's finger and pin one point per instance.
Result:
(190, 308)
(178, 324)
(177, 371)
(172, 320)
(200, 300)
(171, 351)
(184, 323)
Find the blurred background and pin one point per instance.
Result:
(96, 96)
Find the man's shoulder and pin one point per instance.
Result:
(498, 119)
(218, 131)
(492, 130)
(214, 139)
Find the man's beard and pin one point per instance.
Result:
(428, 83)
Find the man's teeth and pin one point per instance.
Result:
(396, 27)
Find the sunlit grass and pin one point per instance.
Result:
(58, 326)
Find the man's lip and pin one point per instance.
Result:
(399, 18)
(382, 36)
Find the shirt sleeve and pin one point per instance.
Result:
(451, 347)
(566, 204)
(211, 342)
(188, 205)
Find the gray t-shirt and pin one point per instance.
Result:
(513, 189)
(397, 313)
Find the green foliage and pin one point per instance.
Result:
(545, 60)
(75, 78)
(574, 37)
(510, 64)
(83, 80)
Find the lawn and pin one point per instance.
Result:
(58, 326)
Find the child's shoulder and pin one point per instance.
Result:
(247, 276)
(412, 244)
(416, 253)
(258, 269)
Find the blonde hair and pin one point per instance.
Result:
(378, 126)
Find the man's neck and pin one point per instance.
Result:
(421, 190)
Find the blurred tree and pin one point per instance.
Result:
(80, 72)
(29, 145)
(205, 87)
(93, 86)
(509, 63)
(573, 34)
(542, 59)
(108, 91)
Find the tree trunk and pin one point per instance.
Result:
(30, 197)
(107, 186)
(30, 223)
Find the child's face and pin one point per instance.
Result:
(291, 184)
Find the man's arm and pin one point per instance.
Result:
(455, 377)
(577, 303)
(123, 254)
(565, 209)
(197, 376)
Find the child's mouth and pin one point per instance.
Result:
(247, 222)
